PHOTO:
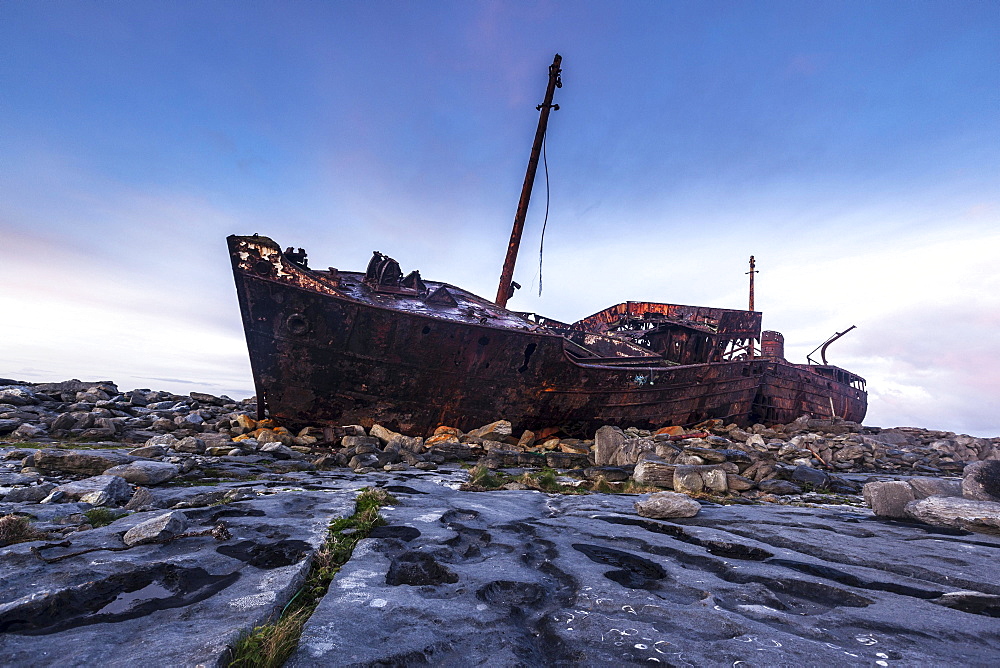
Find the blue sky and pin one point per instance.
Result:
(851, 146)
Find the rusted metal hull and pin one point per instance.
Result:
(322, 355)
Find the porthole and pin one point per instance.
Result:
(297, 324)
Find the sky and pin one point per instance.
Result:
(852, 147)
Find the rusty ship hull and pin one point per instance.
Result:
(331, 347)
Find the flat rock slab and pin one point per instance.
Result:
(93, 602)
(522, 578)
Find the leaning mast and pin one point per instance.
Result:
(506, 287)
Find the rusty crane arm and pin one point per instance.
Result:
(823, 346)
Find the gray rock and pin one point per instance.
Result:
(55, 496)
(607, 442)
(381, 433)
(33, 494)
(924, 487)
(362, 461)
(17, 479)
(715, 479)
(143, 499)
(613, 448)
(688, 479)
(97, 498)
(149, 451)
(355, 441)
(779, 487)
(8, 425)
(28, 431)
(656, 473)
(888, 499)
(145, 472)
(981, 481)
(849, 452)
(278, 451)
(410, 443)
(738, 483)
(969, 514)
(705, 477)
(115, 487)
(572, 568)
(609, 473)
(163, 440)
(17, 396)
(667, 505)
(79, 461)
(808, 475)
(156, 530)
(189, 444)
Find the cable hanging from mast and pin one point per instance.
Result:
(541, 243)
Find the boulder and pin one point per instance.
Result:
(849, 453)
(613, 448)
(924, 487)
(494, 431)
(33, 494)
(149, 451)
(143, 499)
(707, 454)
(156, 530)
(706, 477)
(87, 463)
(655, 473)
(779, 487)
(810, 476)
(381, 433)
(414, 444)
(115, 487)
(981, 481)
(278, 451)
(607, 442)
(609, 473)
(190, 444)
(28, 431)
(17, 396)
(969, 514)
(355, 441)
(688, 480)
(738, 483)
(8, 425)
(888, 499)
(145, 472)
(163, 440)
(667, 505)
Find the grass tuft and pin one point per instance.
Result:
(481, 476)
(269, 646)
(101, 517)
(17, 529)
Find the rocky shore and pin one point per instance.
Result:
(182, 521)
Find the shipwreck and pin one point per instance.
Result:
(380, 346)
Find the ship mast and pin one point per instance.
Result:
(506, 288)
(751, 272)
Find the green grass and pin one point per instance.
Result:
(483, 479)
(101, 517)
(269, 646)
(481, 476)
